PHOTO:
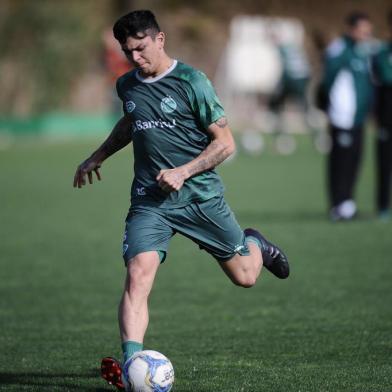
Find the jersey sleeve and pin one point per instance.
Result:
(119, 92)
(205, 103)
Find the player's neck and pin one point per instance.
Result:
(165, 63)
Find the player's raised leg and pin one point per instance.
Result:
(274, 259)
(244, 270)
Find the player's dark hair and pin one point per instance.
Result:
(136, 24)
(353, 18)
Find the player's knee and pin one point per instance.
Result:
(135, 274)
(245, 281)
(138, 278)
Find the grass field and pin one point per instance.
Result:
(327, 328)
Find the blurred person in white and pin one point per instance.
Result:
(347, 95)
(382, 69)
(292, 86)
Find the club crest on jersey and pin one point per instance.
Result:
(168, 104)
(130, 106)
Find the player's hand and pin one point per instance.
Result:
(171, 180)
(86, 168)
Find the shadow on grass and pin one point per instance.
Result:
(68, 381)
(46, 381)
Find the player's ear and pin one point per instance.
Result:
(160, 38)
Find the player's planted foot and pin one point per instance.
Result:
(273, 257)
(111, 372)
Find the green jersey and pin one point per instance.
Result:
(170, 115)
(347, 82)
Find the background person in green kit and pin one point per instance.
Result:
(348, 89)
(382, 68)
(179, 134)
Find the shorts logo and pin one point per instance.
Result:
(125, 248)
(130, 106)
(239, 248)
(168, 104)
(141, 191)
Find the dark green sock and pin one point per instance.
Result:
(129, 348)
(255, 241)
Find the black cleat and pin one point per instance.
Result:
(273, 257)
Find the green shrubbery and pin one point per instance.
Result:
(44, 46)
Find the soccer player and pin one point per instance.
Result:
(180, 134)
(382, 66)
(348, 89)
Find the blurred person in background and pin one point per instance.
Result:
(116, 65)
(293, 85)
(382, 68)
(346, 91)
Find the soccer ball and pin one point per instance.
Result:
(148, 371)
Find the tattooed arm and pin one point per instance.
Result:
(119, 137)
(221, 147)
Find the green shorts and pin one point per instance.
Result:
(210, 224)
